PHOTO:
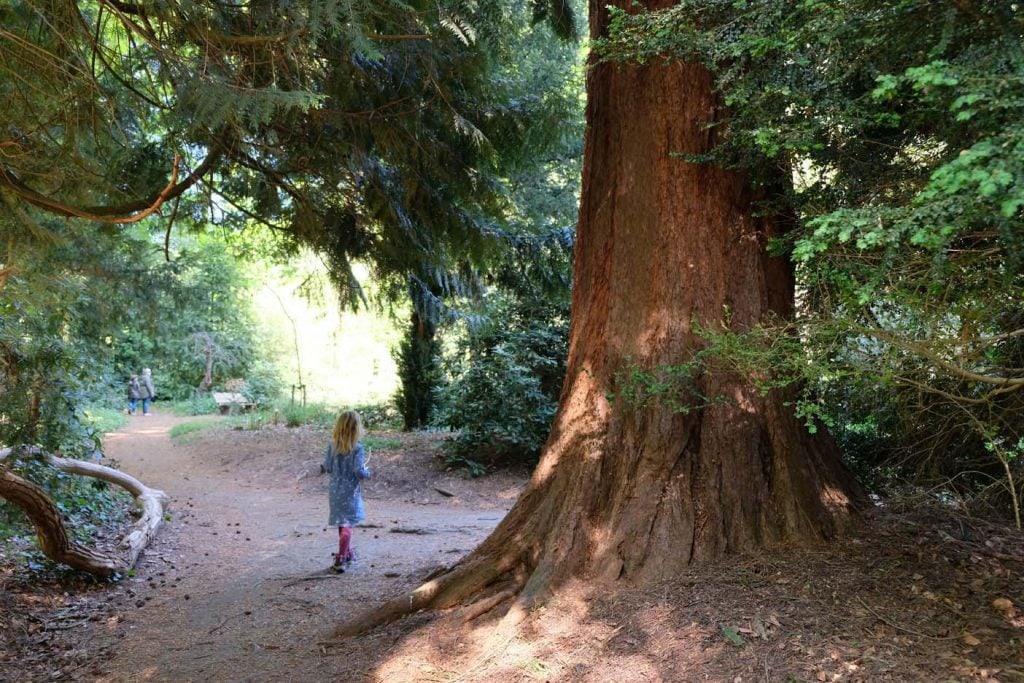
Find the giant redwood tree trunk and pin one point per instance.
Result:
(638, 493)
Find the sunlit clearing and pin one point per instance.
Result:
(342, 357)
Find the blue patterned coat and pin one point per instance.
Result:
(347, 471)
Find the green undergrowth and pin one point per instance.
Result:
(186, 432)
(104, 420)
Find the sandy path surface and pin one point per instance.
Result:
(234, 587)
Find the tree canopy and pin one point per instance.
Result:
(379, 132)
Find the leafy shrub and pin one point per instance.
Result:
(504, 388)
(295, 415)
(201, 403)
(315, 414)
(264, 382)
(102, 419)
(378, 416)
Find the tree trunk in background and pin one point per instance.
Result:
(637, 494)
(417, 360)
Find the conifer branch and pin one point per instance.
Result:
(170, 224)
(397, 37)
(224, 39)
(137, 210)
(256, 218)
(97, 54)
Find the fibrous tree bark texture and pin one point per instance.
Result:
(638, 493)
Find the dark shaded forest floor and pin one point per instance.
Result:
(234, 588)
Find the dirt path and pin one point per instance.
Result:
(234, 588)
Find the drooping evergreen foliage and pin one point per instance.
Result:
(384, 133)
(900, 123)
(370, 131)
(540, 187)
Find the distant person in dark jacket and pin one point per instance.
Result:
(134, 393)
(148, 391)
(345, 460)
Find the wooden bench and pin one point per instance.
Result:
(227, 399)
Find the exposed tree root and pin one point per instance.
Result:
(485, 605)
(150, 501)
(49, 525)
(449, 589)
(53, 536)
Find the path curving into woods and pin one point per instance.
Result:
(234, 588)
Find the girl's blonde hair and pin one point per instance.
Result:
(347, 430)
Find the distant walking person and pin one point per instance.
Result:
(148, 391)
(134, 393)
(345, 461)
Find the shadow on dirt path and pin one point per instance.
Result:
(235, 586)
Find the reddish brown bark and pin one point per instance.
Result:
(637, 494)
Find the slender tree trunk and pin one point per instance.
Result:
(638, 493)
(207, 380)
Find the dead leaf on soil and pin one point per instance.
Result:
(1003, 604)
(970, 640)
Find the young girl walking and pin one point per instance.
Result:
(345, 461)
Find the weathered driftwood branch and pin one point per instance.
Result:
(53, 537)
(150, 501)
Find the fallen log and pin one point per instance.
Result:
(54, 540)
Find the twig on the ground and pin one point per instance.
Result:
(65, 626)
(311, 577)
(903, 628)
(226, 620)
(615, 631)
